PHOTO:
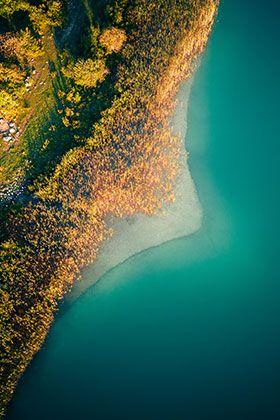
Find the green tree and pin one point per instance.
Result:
(88, 72)
(9, 105)
(27, 46)
(95, 47)
(23, 46)
(46, 16)
(8, 7)
(11, 76)
(116, 11)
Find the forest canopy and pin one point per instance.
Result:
(109, 72)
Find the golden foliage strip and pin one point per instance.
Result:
(128, 166)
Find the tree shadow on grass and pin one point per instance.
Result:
(47, 137)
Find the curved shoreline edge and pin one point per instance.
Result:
(63, 231)
(135, 234)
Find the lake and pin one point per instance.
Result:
(191, 329)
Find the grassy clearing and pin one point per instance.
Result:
(52, 122)
(14, 160)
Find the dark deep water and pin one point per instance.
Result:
(190, 330)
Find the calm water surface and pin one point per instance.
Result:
(190, 330)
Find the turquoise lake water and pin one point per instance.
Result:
(191, 329)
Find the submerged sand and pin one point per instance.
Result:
(135, 234)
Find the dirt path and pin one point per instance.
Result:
(74, 11)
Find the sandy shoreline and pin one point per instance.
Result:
(133, 235)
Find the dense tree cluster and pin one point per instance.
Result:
(87, 73)
(21, 45)
(43, 14)
(127, 165)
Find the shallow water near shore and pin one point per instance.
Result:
(190, 329)
(133, 235)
